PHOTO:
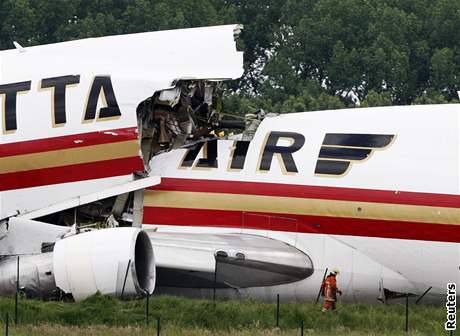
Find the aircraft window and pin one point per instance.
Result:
(240, 256)
(221, 254)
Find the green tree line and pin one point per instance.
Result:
(300, 55)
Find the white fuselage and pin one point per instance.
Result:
(391, 221)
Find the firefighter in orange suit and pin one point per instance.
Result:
(329, 290)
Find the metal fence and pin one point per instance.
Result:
(10, 321)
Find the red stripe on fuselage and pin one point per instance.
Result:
(306, 191)
(301, 224)
(71, 173)
(68, 141)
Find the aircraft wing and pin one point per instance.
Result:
(79, 200)
(21, 234)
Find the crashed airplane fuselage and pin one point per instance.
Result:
(80, 121)
(87, 136)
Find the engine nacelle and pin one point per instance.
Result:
(116, 261)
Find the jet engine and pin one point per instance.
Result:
(118, 262)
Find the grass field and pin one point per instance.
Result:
(100, 315)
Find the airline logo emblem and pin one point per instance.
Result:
(337, 154)
(339, 151)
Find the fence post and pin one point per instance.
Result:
(277, 310)
(214, 283)
(124, 281)
(147, 308)
(407, 312)
(17, 296)
(301, 328)
(424, 293)
(158, 326)
(6, 324)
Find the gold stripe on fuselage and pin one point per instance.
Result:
(302, 206)
(70, 156)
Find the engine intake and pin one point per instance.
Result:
(118, 262)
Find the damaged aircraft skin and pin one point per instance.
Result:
(119, 174)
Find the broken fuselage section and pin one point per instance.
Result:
(189, 112)
(97, 121)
